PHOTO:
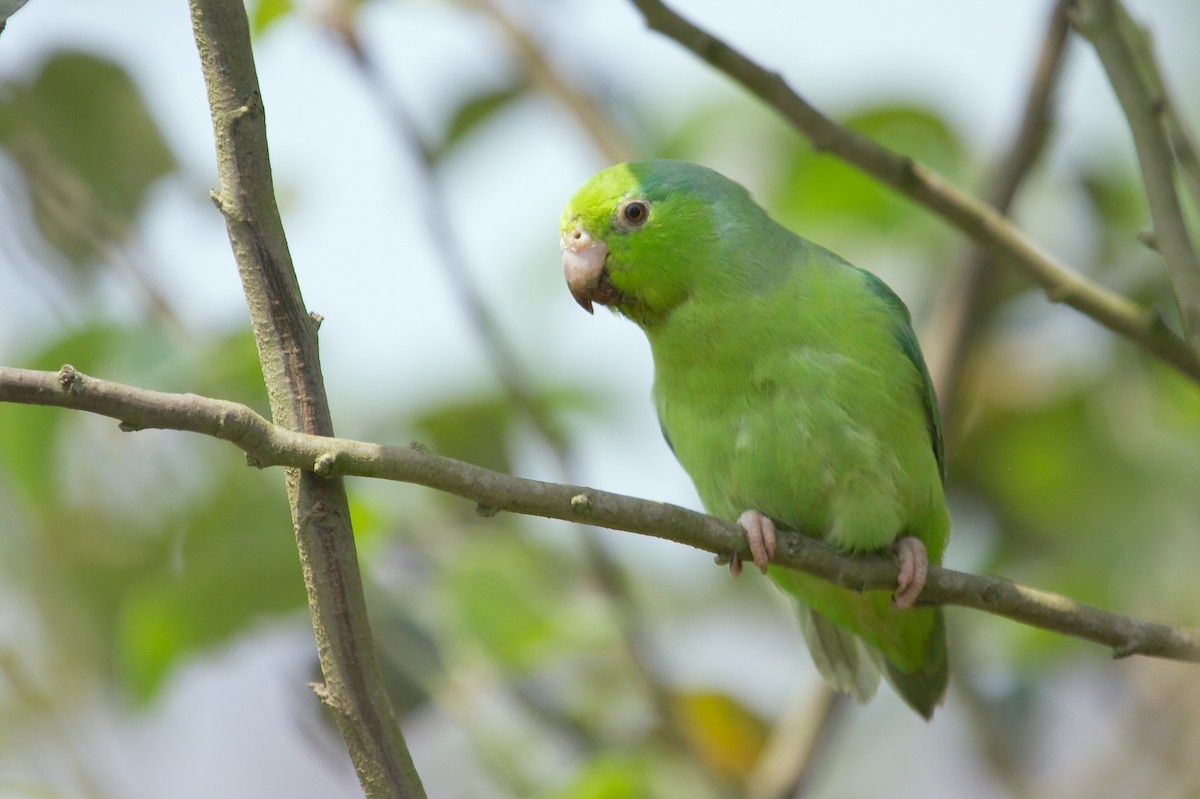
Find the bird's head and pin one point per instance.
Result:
(643, 237)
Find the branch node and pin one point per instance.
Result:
(252, 106)
(417, 446)
(1156, 323)
(317, 319)
(69, 379)
(1126, 649)
(486, 511)
(1059, 293)
(1148, 239)
(254, 462)
(128, 427)
(989, 594)
(581, 503)
(325, 464)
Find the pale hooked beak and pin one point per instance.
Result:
(583, 264)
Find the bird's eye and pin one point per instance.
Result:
(635, 213)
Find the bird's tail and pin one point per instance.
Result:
(855, 636)
(923, 688)
(842, 658)
(851, 665)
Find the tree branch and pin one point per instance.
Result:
(965, 317)
(602, 129)
(352, 686)
(1139, 40)
(1112, 34)
(970, 215)
(269, 445)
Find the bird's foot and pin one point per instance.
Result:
(913, 561)
(760, 537)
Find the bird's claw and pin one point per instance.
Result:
(913, 561)
(760, 537)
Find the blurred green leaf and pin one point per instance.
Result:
(812, 187)
(145, 548)
(475, 112)
(609, 776)
(1093, 486)
(30, 436)
(516, 599)
(475, 430)
(88, 148)
(482, 429)
(266, 13)
(409, 657)
(232, 561)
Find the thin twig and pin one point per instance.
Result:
(798, 742)
(605, 134)
(972, 216)
(1140, 40)
(268, 445)
(487, 330)
(964, 318)
(999, 746)
(1099, 21)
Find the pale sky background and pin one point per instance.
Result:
(364, 260)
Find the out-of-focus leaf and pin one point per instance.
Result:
(266, 13)
(610, 776)
(225, 367)
(1093, 485)
(1115, 196)
(517, 600)
(474, 430)
(29, 436)
(727, 123)
(234, 562)
(723, 732)
(141, 548)
(476, 111)
(408, 656)
(88, 149)
(640, 770)
(480, 429)
(812, 187)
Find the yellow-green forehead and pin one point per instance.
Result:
(595, 200)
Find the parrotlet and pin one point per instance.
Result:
(791, 388)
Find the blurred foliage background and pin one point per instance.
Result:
(153, 632)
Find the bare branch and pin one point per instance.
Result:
(600, 127)
(1101, 22)
(970, 215)
(352, 686)
(268, 445)
(1139, 40)
(962, 319)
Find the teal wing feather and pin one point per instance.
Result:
(908, 342)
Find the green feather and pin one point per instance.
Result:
(790, 382)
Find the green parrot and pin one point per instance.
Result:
(791, 388)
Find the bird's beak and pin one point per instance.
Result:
(583, 265)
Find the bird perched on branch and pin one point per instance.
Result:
(791, 387)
